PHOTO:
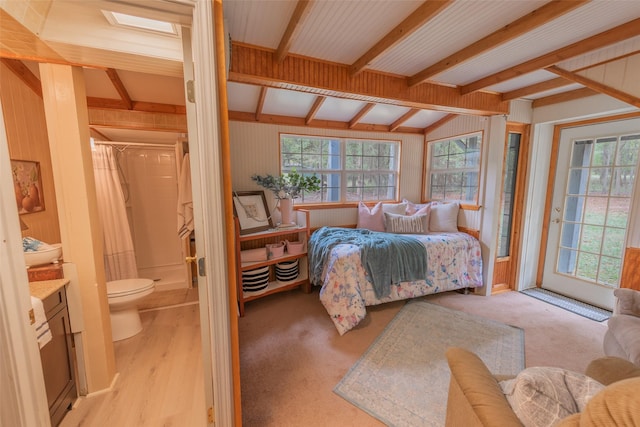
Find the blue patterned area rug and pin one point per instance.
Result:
(578, 307)
(403, 377)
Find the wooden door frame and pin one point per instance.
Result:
(24, 400)
(513, 260)
(553, 168)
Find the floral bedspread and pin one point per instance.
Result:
(453, 262)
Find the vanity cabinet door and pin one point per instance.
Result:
(58, 366)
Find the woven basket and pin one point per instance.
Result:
(255, 280)
(287, 271)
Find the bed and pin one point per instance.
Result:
(449, 261)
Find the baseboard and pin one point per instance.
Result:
(105, 390)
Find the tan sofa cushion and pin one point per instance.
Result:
(607, 370)
(475, 398)
(617, 405)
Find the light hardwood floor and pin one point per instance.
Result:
(159, 299)
(161, 376)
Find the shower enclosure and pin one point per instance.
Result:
(149, 178)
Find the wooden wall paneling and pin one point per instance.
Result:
(28, 140)
(259, 66)
(501, 272)
(631, 269)
(273, 119)
(19, 42)
(138, 120)
(516, 241)
(544, 238)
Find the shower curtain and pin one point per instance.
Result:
(119, 256)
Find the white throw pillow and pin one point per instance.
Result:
(371, 219)
(541, 396)
(412, 208)
(395, 208)
(444, 217)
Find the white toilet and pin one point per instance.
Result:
(123, 298)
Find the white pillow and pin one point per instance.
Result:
(541, 396)
(395, 208)
(402, 224)
(414, 207)
(371, 219)
(444, 217)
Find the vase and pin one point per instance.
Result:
(286, 211)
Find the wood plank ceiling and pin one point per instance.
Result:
(406, 66)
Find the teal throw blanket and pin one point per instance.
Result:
(387, 258)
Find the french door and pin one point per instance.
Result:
(590, 211)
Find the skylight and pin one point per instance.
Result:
(146, 24)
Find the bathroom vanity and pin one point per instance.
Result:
(57, 356)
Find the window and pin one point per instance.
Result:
(454, 168)
(350, 169)
(508, 194)
(139, 23)
(598, 200)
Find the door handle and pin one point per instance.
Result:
(190, 259)
(556, 221)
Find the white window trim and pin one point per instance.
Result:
(429, 169)
(343, 172)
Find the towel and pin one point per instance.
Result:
(41, 326)
(185, 200)
(29, 244)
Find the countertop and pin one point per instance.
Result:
(43, 288)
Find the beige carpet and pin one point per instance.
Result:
(292, 355)
(400, 378)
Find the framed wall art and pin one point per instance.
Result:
(252, 211)
(27, 183)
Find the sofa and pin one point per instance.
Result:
(622, 338)
(476, 396)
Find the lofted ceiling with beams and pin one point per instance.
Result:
(397, 66)
(409, 66)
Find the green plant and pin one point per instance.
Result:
(288, 185)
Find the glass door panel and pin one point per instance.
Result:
(594, 195)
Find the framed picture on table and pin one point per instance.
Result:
(250, 207)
